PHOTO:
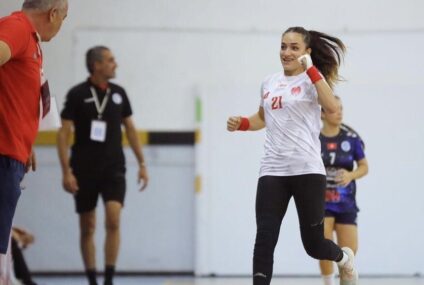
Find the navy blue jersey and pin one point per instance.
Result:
(341, 152)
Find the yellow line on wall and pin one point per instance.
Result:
(48, 138)
(197, 136)
(198, 184)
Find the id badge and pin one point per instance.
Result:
(45, 98)
(98, 131)
(52, 120)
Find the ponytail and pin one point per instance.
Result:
(327, 52)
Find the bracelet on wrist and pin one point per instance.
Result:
(314, 74)
(244, 125)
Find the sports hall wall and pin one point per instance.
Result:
(172, 53)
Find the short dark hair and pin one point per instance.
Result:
(93, 55)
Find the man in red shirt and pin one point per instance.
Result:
(22, 87)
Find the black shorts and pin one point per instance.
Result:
(343, 218)
(110, 184)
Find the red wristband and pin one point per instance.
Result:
(244, 125)
(314, 74)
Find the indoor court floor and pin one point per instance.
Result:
(137, 280)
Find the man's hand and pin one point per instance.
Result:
(31, 163)
(70, 183)
(142, 175)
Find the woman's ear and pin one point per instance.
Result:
(309, 50)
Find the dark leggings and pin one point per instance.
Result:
(272, 199)
(21, 269)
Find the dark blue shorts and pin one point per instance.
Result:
(11, 175)
(343, 218)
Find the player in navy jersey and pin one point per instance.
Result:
(341, 149)
(290, 110)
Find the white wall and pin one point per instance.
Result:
(219, 16)
(220, 51)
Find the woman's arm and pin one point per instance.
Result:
(326, 97)
(345, 177)
(253, 123)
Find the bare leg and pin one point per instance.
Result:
(113, 216)
(347, 235)
(87, 229)
(327, 266)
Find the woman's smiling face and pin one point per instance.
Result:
(292, 47)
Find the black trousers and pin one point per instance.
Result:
(272, 199)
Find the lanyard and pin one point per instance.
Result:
(40, 57)
(38, 40)
(100, 108)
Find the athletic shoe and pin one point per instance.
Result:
(348, 273)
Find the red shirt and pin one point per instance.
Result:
(20, 80)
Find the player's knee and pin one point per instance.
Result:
(313, 249)
(87, 226)
(112, 225)
(313, 240)
(88, 230)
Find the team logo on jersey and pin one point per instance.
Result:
(296, 90)
(345, 146)
(116, 98)
(331, 146)
(266, 95)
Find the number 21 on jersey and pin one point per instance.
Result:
(277, 102)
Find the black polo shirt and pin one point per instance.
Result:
(80, 108)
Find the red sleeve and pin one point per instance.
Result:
(14, 33)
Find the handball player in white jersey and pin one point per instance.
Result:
(290, 110)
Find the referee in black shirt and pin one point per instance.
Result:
(95, 110)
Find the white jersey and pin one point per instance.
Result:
(292, 118)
